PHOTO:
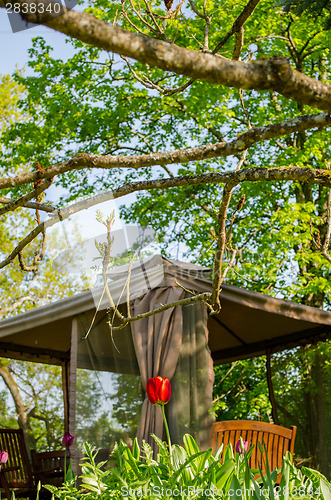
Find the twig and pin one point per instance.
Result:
(166, 169)
(128, 288)
(326, 243)
(150, 12)
(30, 204)
(158, 31)
(229, 264)
(238, 44)
(241, 202)
(219, 276)
(239, 22)
(14, 204)
(176, 90)
(105, 264)
(16, 304)
(142, 137)
(185, 289)
(206, 18)
(94, 316)
(37, 258)
(233, 365)
(241, 96)
(144, 81)
(281, 146)
(220, 247)
(200, 297)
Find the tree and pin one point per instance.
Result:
(36, 390)
(224, 93)
(315, 8)
(274, 74)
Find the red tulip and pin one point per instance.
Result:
(3, 457)
(67, 440)
(158, 390)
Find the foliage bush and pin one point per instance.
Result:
(189, 473)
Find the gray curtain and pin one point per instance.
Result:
(191, 410)
(174, 344)
(157, 341)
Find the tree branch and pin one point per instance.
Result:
(217, 150)
(326, 244)
(196, 298)
(20, 202)
(269, 74)
(37, 258)
(238, 24)
(16, 304)
(312, 175)
(239, 44)
(30, 204)
(220, 248)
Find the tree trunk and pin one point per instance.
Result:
(316, 390)
(319, 396)
(316, 410)
(22, 416)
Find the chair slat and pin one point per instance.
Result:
(281, 447)
(254, 454)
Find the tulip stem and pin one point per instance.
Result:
(166, 427)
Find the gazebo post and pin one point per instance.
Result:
(272, 398)
(72, 388)
(65, 388)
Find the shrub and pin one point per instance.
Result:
(187, 472)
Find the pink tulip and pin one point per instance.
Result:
(239, 449)
(3, 457)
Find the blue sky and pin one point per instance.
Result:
(14, 46)
(14, 54)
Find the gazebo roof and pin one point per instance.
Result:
(249, 323)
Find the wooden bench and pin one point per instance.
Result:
(48, 466)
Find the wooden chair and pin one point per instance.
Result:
(48, 466)
(16, 475)
(277, 439)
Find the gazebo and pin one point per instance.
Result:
(181, 343)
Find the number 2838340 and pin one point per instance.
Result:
(33, 8)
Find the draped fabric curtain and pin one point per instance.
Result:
(157, 341)
(191, 410)
(174, 344)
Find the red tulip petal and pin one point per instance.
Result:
(158, 384)
(151, 392)
(165, 391)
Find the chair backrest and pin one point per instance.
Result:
(49, 466)
(277, 439)
(17, 471)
